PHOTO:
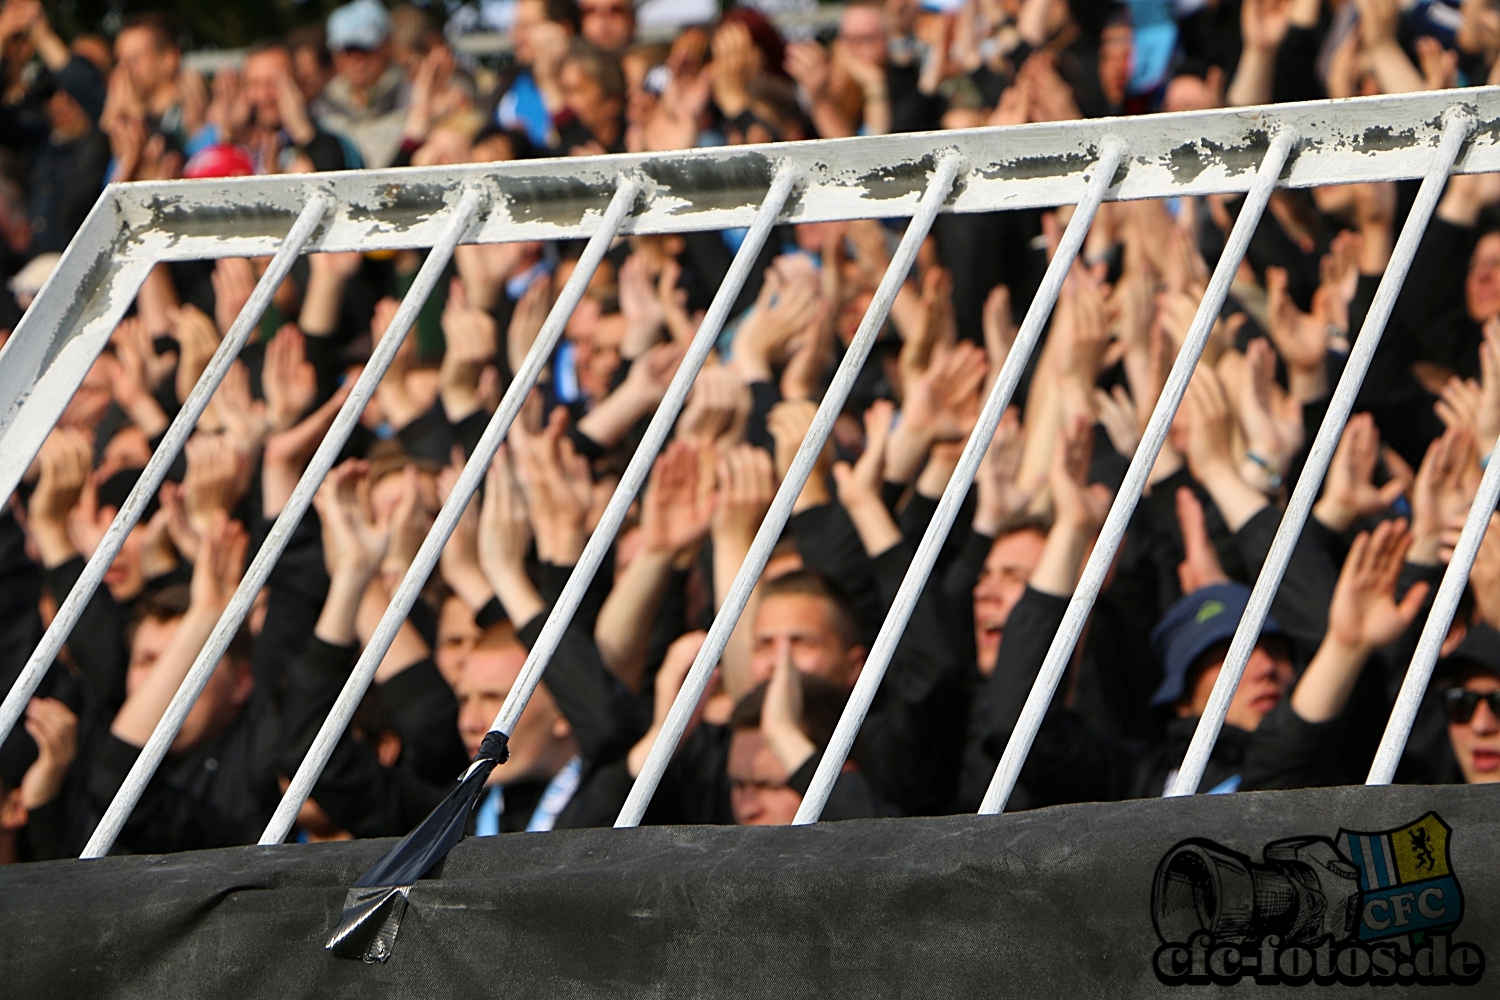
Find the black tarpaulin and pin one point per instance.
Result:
(1051, 903)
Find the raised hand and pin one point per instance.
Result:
(781, 715)
(1349, 492)
(1000, 494)
(54, 727)
(1300, 338)
(504, 540)
(197, 339)
(559, 488)
(212, 484)
(131, 378)
(527, 320)
(221, 561)
(787, 303)
(65, 461)
(470, 335)
(716, 409)
(789, 422)
(288, 379)
(1200, 566)
(640, 305)
(677, 508)
(354, 543)
(233, 280)
(1271, 419)
(860, 484)
(746, 487)
(1441, 494)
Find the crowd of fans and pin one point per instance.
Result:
(381, 87)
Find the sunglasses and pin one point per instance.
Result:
(1462, 703)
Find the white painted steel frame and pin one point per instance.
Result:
(135, 226)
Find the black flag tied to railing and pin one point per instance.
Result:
(376, 902)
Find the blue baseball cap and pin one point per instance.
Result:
(1197, 622)
(363, 24)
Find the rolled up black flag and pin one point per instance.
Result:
(373, 908)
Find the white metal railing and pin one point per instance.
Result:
(1249, 150)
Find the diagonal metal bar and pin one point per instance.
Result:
(860, 699)
(599, 543)
(458, 501)
(1457, 123)
(1091, 580)
(161, 460)
(939, 187)
(1435, 630)
(260, 567)
(49, 353)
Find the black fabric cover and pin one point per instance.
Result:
(1050, 903)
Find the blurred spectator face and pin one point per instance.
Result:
(361, 67)
(802, 626)
(385, 494)
(901, 17)
(543, 740)
(1194, 93)
(310, 71)
(1116, 48)
(148, 64)
(588, 100)
(68, 120)
(531, 16)
(125, 578)
(261, 80)
(96, 50)
(1006, 570)
(1483, 286)
(1476, 740)
(608, 24)
(456, 635)
(89, 403)
(223, 697)
(1261, 688)
(758, 791)
(862, 34)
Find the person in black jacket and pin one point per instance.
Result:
(208, 791)
(402, 751)
(1070, 760)
(571, 727)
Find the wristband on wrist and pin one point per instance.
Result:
(1273, 477)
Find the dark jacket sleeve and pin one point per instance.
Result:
(581, 686)
(1301, 603)
(97, 640)
(355, 789)
(165, 819)
(829, 545)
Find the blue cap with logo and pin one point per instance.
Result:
(1197, 622)
(363, 24)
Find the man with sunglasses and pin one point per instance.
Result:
(1329, 729)
(1472, 698)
